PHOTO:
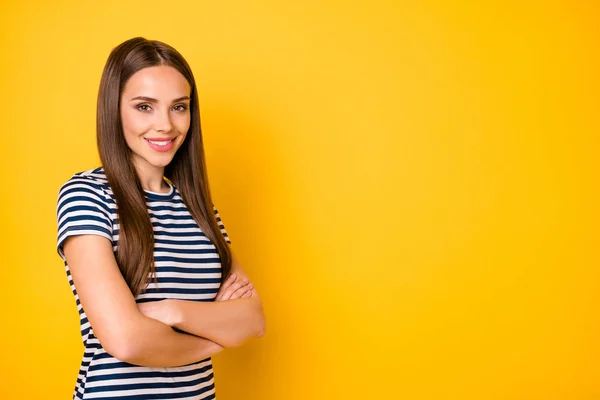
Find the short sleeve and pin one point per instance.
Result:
(81, 209)
(221, 226)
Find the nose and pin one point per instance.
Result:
(162, 122)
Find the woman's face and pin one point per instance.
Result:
(155, 114)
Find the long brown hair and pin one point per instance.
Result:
(187, 170)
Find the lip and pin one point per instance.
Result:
(160, 149)
(162, 139)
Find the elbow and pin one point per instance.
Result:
(121, 346)
(117, 349)
(261, 332)
(257, 330)
(260, 324)
(126, 351)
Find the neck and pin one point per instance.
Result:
(151, 177)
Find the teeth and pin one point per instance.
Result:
(161, 143)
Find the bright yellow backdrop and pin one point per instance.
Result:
(412, 186)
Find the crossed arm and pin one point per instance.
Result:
(234, 317)
(142, 334)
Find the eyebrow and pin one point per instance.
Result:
(151, 100)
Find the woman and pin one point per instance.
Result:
(157, 286)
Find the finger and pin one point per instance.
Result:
(241, 291)
(228, 282)
(231, 289)
(247, 294)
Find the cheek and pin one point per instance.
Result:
(133, 123)
(183, 123)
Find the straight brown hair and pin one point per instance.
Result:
(187, 170)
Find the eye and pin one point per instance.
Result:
(141, 107)
(182, 107)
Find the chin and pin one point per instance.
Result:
(161, 163)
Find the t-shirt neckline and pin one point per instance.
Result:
(157, 195)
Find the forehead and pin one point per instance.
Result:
(159, 81)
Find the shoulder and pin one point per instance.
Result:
(89, 185)
(93, 179)
(83, 207)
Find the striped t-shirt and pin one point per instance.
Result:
(187, 265)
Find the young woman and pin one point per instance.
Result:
(157, 286)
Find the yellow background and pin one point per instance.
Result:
(412, 186)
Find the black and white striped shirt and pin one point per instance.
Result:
(188, 267)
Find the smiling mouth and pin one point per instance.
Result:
(160, 142)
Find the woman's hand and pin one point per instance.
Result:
(234, 288)
(165, 310)
(159, 310)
